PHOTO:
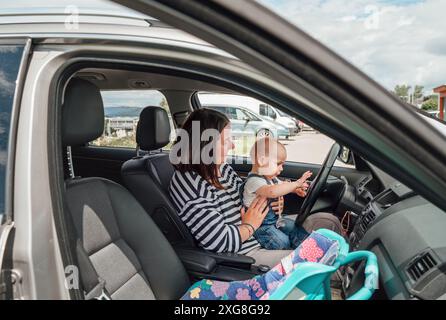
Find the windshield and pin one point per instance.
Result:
(398, 43)
(282, 114)
(251, 115)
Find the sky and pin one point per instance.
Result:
(393, 41)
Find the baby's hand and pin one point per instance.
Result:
(304, 177)
(302, 191)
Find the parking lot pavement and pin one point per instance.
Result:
(308, 147)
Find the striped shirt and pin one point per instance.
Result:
(212, 215)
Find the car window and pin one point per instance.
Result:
(241, 115)
(10, 59)
(122, 109)
(304, 144)
(282, 114)
(263, 110)
(251, 116)
(230, 112)
(271, 112)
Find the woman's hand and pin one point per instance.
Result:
(256, 212)
(277, 206)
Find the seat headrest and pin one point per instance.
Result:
(82, 113)
(153, 130)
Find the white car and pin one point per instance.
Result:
(260, 108)
(278, 116)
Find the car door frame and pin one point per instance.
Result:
(9, 277)
(398, 142)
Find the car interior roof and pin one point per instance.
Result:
(114, 79)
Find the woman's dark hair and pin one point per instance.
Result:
(208, 119)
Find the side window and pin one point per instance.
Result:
(122, 109)
(252, 116)
(247, 115)
(303, 143)
(263, 110)
(241, 115)
(271, 113)
(231, 113)
(10, 60)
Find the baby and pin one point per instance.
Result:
(268, 156)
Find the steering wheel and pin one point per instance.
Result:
(318, 184)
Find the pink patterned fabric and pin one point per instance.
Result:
(310, 251)
(219, 288)
(262, 286)
(243, 294)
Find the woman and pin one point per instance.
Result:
(206, 192)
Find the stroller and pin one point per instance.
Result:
(303, 275)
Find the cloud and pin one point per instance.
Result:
(393, 41)
(3, 158)
(6, 86)
(9, 49)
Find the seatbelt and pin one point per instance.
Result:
(94, 286)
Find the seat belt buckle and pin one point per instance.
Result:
(98, 292)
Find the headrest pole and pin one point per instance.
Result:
(138, 150)
(70, 162)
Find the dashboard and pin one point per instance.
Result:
(408, 235)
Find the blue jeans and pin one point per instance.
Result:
(287, 237)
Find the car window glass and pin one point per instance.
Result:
(377, 36)
(122, 109)
(303, 143)
(241, 115)
(10, 59)
(250, 116)
(271, 112)
(263, 110)
(230, 112)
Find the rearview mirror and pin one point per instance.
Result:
(346, 156)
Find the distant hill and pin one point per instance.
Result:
(113, 112)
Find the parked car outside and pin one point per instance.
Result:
(299, 124)
(280, 117)
(261, 109)
(435, 113)
(246, 123)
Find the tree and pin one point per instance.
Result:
(417, 94)
(431, 103)
(402, 91)
(414, 97)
